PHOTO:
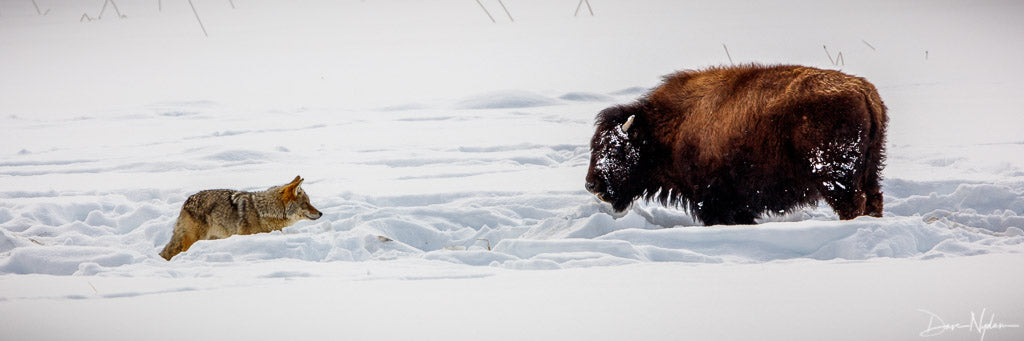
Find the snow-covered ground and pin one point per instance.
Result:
(465, 142)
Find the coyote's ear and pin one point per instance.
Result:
(291, 190)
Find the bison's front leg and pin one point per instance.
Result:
(848, 204)
(726, 216)
(725, 205)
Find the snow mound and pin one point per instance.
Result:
(510, 99)
(636, 90)
(64, 260)
(969, 198)
(586, 97)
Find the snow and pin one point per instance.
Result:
(448, 155)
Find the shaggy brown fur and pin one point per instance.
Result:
(732, 143)
(221, 213)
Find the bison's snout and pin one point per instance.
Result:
(595, 188)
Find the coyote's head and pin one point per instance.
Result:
(296, 203)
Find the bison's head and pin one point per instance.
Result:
(616, 152)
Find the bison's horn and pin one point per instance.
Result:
(629, 123)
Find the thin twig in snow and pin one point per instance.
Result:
(197, 18)
(869, 45)
(838, 61)
(39, 11)
(481, 7)
(85, 16)
(118, 11)
(580, 5)
(488, 243)
(102, 9)
(506, 11)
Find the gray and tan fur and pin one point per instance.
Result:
(221, 213)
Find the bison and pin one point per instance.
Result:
(734, 143)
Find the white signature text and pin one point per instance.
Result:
(978, 324)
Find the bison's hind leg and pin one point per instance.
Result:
(834, 137)
(873, 177)
(848, 204)
(838, 168)
(873, 193)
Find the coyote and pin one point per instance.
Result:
(221, 213)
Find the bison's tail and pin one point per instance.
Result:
(879, 120)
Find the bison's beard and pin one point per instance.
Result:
(621, 205)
